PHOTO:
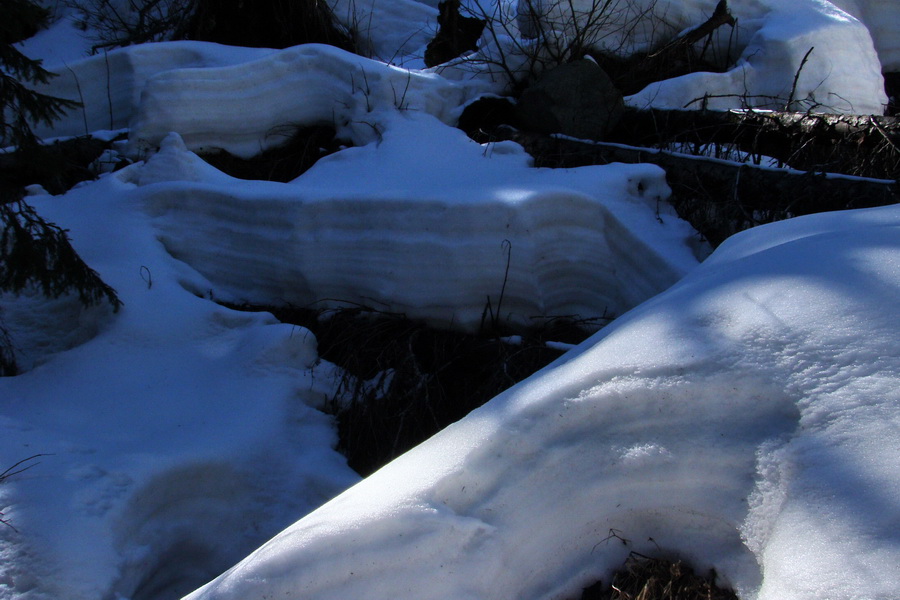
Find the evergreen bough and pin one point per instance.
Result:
(21, 105)
(33, 252)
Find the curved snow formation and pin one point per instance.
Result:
(882, 17)
(239, 107)
(109, 85)
(426, 223)
(842, 72)
(745, 420)
(238, 99)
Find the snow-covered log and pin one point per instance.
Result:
(722, 197)
(237, 108)
(490, 232)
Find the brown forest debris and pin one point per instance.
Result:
(646, 578)
(863, 145)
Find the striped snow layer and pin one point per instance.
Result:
(441, 246)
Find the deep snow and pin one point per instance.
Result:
(747, 419)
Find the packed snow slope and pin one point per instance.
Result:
(181, 434)
(747, 420)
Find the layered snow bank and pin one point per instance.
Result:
(238, 108)
(427, 223)
(829, 52)
(109, 85)
(746, 419)
(241, 99)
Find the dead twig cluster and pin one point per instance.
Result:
(18, 468)
(858, 145)
(646, 578)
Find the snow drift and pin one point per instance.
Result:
(176, 437)
(745, 420)
(237, 108)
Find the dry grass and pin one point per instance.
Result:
(646, 578)
(406, 381)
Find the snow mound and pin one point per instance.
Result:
(829, 52)
(427, 223)
(178, 437)
(392, 31)
(744, 420)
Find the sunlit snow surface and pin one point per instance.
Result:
(748, 419)
(881, 17)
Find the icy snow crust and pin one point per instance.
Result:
(746, 419)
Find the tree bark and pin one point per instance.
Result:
(718, 197)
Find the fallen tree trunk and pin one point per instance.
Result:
(863, 145)
(718, 197)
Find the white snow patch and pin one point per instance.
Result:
(882, 18)
(180, 436)
(391, 31)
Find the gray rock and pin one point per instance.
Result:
(576, 99)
